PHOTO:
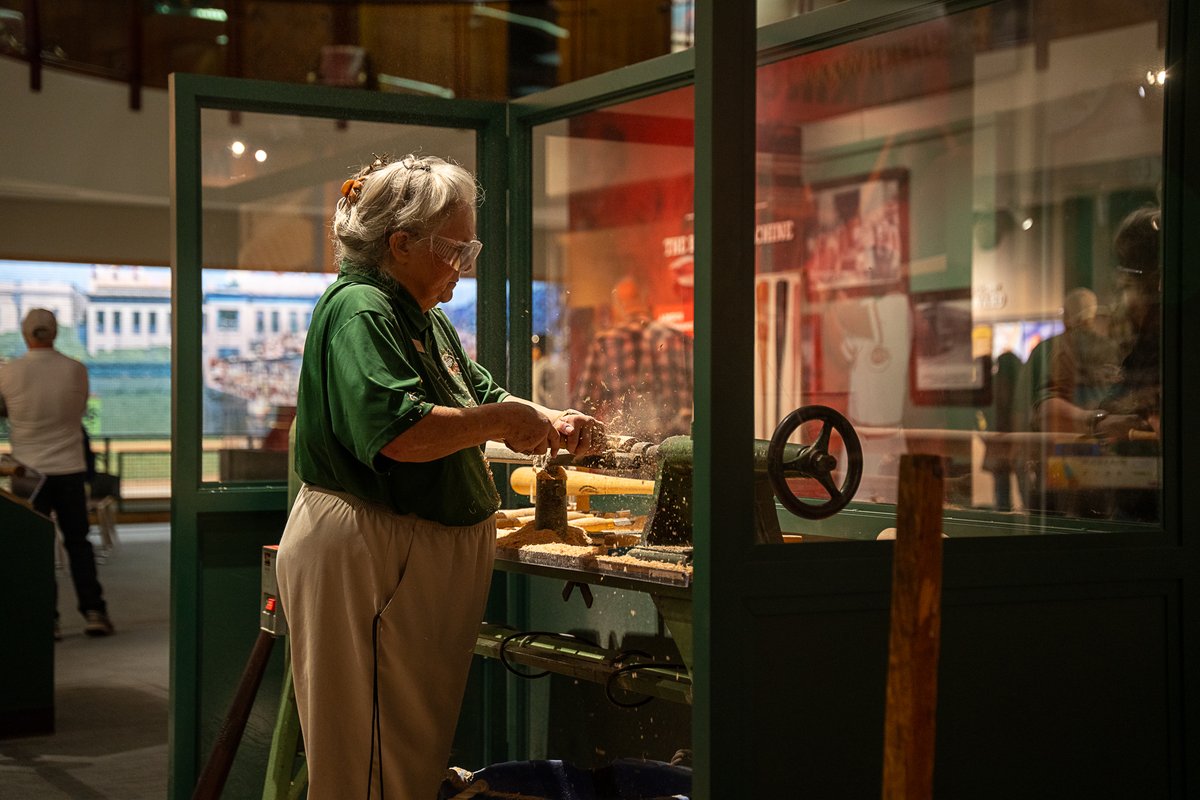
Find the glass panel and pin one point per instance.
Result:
(770, 11)
(101, 45)
(128, 418)
(612, 265)
(947, 259)
(612, 317)
(683, 26)
(269, 187)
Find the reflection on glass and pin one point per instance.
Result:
(251, 363)
(270, 183)
(683, 16)
(612, 319)
(957, 250)
(613, 265)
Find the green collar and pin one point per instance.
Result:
(405, 304)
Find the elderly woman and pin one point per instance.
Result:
(386, 559)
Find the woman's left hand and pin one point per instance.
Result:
(581, 434)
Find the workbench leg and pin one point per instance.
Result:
(284, 780)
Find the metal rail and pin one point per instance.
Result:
(584, 661)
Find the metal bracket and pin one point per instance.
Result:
(585, 592)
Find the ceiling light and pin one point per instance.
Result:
(260, 155)
(186, 10)
(238, 148)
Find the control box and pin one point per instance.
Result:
(270, 609)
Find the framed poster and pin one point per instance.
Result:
(946, 368)
(856, 235)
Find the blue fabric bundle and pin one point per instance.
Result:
(624, 779)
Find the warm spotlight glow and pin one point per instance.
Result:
(238, 148)
(1162, 77)
(260, 155)
(1027, 224)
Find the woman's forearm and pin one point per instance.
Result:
(445, 430)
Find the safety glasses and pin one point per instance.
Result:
(459, 255)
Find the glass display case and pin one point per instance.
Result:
(957, 252)
(921, 242)
(937, 264)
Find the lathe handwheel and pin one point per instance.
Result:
(815, 461)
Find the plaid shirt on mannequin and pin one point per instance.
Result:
(638, 379)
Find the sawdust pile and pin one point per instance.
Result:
(529, 535)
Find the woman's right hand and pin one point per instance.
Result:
(527, 430)
(1120, 427)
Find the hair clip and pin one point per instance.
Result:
(410, 163)
(350, 190)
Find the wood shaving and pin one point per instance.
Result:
(612, 539)
(644, 563)
(588, 551)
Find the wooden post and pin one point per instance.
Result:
(910, 716)
(216, 770)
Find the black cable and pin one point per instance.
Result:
(608, 684)
(534, 634)
(376, 728)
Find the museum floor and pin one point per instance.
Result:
(111, 694)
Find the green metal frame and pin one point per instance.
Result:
(191, 499)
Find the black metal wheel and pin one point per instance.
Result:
(814, 461)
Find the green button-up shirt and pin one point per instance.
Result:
(375, 365)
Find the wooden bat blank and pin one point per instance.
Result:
(523, 481)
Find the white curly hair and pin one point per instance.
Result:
(416, 194)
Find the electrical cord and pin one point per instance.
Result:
(621, 670)
(376, 728)
(534, 634)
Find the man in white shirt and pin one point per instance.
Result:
(44, 394)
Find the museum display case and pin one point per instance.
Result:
(861, 268)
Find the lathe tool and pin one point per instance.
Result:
(667, 536)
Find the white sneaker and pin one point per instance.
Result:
(98, 624)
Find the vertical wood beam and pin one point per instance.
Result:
(913, 645)
(33, 44)
(136, 46)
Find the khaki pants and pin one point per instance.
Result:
(341, 562)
